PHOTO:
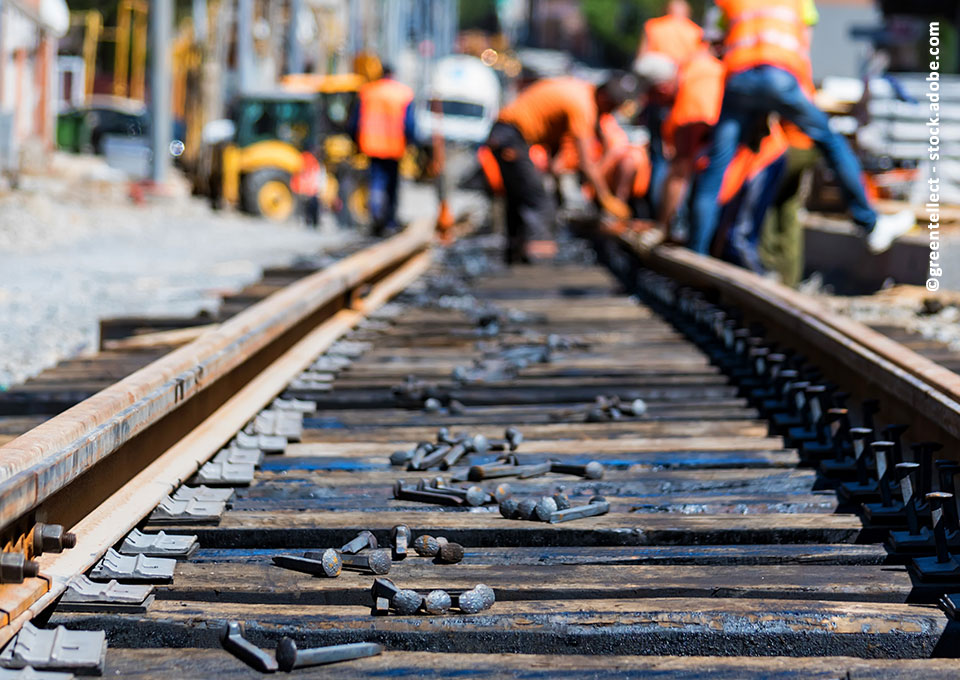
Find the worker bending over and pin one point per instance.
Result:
(766, 52)
(542, 114)
(382, 125)
(677, 38)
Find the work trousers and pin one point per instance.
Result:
(781, 245)
(383, 181)
(529, 208)
(743, 241)
(749, 96)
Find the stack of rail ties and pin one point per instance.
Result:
(705, 535)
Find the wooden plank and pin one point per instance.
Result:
(712, 626)
(255, 582)
(295, 529)
(157, 664)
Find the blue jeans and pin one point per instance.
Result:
(383, 194)
(655, 115)
(753, 94)
(743, 245)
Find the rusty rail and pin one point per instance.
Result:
(864, 357)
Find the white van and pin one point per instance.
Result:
(468, 92)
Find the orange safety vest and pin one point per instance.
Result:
(674, 36)
(747, 164)
(383, 105)
(307, 181)
(699, 95)
(768, 32)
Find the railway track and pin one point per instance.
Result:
(718, 414)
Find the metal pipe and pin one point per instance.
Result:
(161, 25)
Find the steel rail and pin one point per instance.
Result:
(35, 467)
(926, 391)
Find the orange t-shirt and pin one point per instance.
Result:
(699, 94)
(551, 108)
(674, 36)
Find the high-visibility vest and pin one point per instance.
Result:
(699, 95)
(383, 105)
(674, 36)
(770, 32)
(307, 181)
(747, 164)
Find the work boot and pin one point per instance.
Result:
(888, 228)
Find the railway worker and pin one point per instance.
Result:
(695, 91)
(675, 36)
(766, 51)
(383, 125)
(542, 114)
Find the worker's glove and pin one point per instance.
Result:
(614, 206)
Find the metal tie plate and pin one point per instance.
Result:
(82, 594)
(57, 649)
(171, 511)
(297, 405)
(287, 424)
(331, 364)
(204, 494)
(304, 384)
(224, 474)
(159, 545)
(232, 454)
(133, 568)
(265, 443)
(30, 674)
(346, 348)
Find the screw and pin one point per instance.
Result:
(289, 657)
(596, 506)
(937, 499)
(486, 594)
(881, 455)
(546, 506)
(451, 457)
(327, 563)
(450, 553)
(437, 602)
(426, 546)
(473, 496)
(51, 538)
(903, 473)
(231, 637)
(526, 508)
(400, 492)
(15, 567)
(508, 508)
(364, 539)
(592, 470)
(374, 561)
(528, 471)
(419, 453)
(400, 536)
(561, 500)
(480, 472)
(475, 600)
(406, 601)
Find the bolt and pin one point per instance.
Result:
(486, 594)
(562, 501)
(400, 492)
(596, 506)
(437, 602)
(363, 540)
(406, 601)
(231, 637)
(508, 508)
(400, 537)
(450, 553)
(479, 473)
(546, 506)
(450, 458)
(473, 496)
(419, 453)
(289, 657)
(432, 405)
(383, 588)
(51, 538)
(326, 563)
(426, 546)
(401, 457)
(529, 471)
(15, 567)
(882, 454)
(470, 602)
(374, 561)
(526, 508)
(501, 492)
(937, 500)
(592, 470)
